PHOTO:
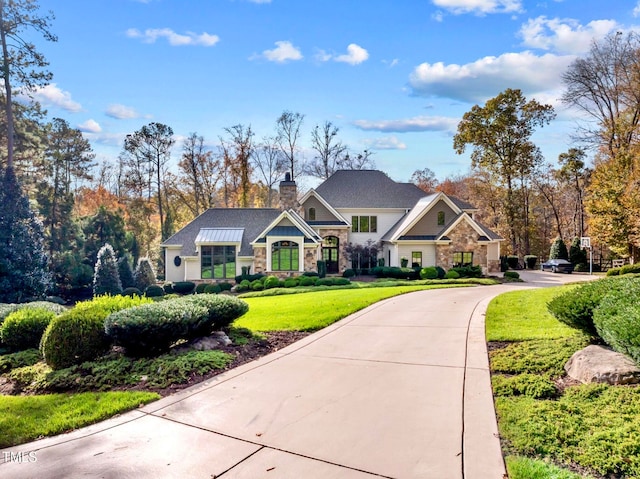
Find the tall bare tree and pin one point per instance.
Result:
(287, 135)
(329, 151)
(237, 151)
(199, 175)
(271, 164)
(22, 65)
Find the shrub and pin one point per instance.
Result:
(441, 272)
(531, 385)
(7, 309)
(212, 289)
(131, 292)
(307, 281)
(200, 288)
(257, 285)
(23, 329)
(530, 261)
(617, 318)
(322, 268)
(290, 283)
(78, 335)
(125, 272)
(271, 282)
(244, 285)
(558, 250)
(577, 255)
(151, 329)
(430, 272)
(184, 287)
(312, 274)
(451, 274)
(512, 261)
(349, 273)
(106, 279)
(511, 275)
(630, 269)
(168, 288)
(576, 306)
(144, 275)
(224, 286)
(468, 271)
(250, 277)
(154, 291)
(332, 282)
(614, 271)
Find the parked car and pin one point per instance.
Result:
(557, 266)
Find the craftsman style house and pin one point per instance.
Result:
(352, 206)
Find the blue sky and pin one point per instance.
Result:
(394, 76)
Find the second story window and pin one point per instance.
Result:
(364, 224)
(440, 218)
(311, 214)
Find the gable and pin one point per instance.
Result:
(428, 224)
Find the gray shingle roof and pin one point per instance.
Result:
(252, 220)
(367, 189)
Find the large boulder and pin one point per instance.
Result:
(597, 364)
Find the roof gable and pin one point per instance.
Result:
(314, 194)
(421, 208)
(288, 223)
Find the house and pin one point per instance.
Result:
(356, 207)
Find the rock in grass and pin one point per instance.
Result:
(597, 364)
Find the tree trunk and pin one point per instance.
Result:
(7, 87)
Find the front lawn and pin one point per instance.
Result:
(551, 428)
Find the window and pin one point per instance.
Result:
(440, 218)
(462, 258)
(311, 214)
(364, 224)
(416, 259)
(218, 262)
(284, 256)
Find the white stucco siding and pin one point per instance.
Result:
(386, 219)
(428, 253)
(172, 272)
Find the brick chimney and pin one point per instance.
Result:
(288, 194)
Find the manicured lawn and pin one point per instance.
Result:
(315, 310)
(544, 429)
(25, 418)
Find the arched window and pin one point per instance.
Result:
(440, 218)
(285, 256)
(311, 214)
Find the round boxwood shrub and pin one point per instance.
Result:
(154, 291)
(131, 292)
(349, 273)
(451, 274)
(244, 285)
(225, 286)
(78, 335)
(430, 272)
(271, 282)
(290, 283)
(184, 287)
(212, 289)
(23, 329)
(307, 280)
(511, 275)
(201, 287)
(257, 285)
(441, 272)
(614, 271)
(530, 261)
(168, 288)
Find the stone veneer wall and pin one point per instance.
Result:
(463, 238)
(343, 238)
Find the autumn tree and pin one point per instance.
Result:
(199, 174)
(328, 151)
(288, 127)
(500, 136)
(575, 176)
(237, 151)
(424, 179)
(270, 164)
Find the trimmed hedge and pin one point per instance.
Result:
(7, 308)
(271, 282)
(212, 289)
(395, 272)
(332, 281)
(452, 275)
(78, 335)
(184, 287)
(154, 291)
(23, 329)
(617, 318)
(430, 272)
(512, 274)
(151, 329)
(468, 271)
(576, 307)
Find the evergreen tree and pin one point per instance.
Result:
(126, 274)
(144, 275)
(106, 279)
(23, 262)
(559, 250)
(576, 254)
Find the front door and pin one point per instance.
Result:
(330, 249)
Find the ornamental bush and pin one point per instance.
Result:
(441, 272)
(451, 274)
(151, 329)
(23, 329)
(290, 283)
(7, 309)
(271, 282)
(199, 288)
(154, 291)
(131, 292)
(468, 271)
(78, 335)
(617, 318)
(307, 280)
(183, 287)
(511, 275)
(558, 250)
(349, 273)
(125, 272)
(530, 260)
(212, 289)
(430, 272)
(630, 269)
(257, 285)
(144, 275)
(106, 278)
(512, 261)
(576, 306)
(244, 285)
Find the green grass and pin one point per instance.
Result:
(26, 418)
(596, 427)
(521, 315)
(314, 310)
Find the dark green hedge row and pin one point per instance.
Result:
(24, 328)
(151, 329)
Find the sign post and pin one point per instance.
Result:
(585, 242)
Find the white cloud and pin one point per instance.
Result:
(51, 95)
(175, 39)
(121, 112)
(386, 143)
(480, 7)
(566, 35)
(636, 10)
(322, 56)
(284, 52)
(418, 123)
(90, 126)
(488, 76)
(354, 56)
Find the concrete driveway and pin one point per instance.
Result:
(398, 390)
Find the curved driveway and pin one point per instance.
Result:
(400, 389)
